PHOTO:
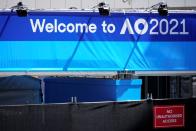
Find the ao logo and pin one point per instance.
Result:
(127, 25)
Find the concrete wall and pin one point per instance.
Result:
(86, 4)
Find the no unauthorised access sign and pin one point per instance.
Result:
(168, 116)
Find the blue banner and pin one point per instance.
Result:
(86, 41)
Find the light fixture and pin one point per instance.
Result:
(21, 10)
(162, 8)
(104, 9)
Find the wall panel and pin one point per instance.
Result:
(139, 3)
(60, 4)
(73, 3)
(87, 4)
(29, 3)
(43, 4)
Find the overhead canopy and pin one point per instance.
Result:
(86, 41)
